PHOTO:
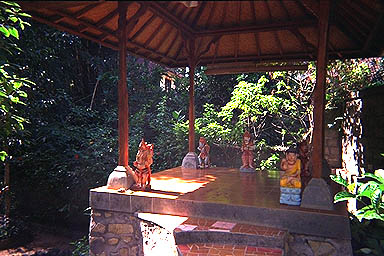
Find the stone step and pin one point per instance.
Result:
(211, 249)
(229, 233)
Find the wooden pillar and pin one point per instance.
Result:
(122, 87)
(191, 137)
(192, 66)
(319, 92)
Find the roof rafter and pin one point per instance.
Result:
(299, 36)
(274, 32)
(199, 12)
(158, 10)
(256, 35)
(258, 28)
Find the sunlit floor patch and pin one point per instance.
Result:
(169, 222)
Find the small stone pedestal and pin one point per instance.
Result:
(317, 195)
(190, 161)
(290, 196)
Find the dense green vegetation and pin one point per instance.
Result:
(61, 140)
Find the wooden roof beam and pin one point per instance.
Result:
(130, 24)
(147, 23)
(287, 25)
(154, 33)
(73, 31)
(237, 36)
(347, 31)
(157, 9)
(86, 9)
(171, 44)
(236, 69)
(274, 32)
(312, 6)
(107, 18)
(53, 5)
(299, 36)
(375, 32)
(256, 35)
(213, 9)
(199, 12)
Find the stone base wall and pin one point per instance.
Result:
(115, 234)
(315, 246)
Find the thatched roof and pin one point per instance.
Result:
(224, 32)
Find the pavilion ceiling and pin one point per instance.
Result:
(222, 32)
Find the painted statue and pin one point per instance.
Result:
(247, 157)
(290, 181)
(143, 165)
(291, 166)
(204, 161)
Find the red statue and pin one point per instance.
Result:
(143, 165)
(203, 157)
(247, 148)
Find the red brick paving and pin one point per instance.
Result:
(226, 250)
(233, 227)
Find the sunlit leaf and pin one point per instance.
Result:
(13, 31)
(4, 30)
(375, 177)
(343, 196)
(338, 179)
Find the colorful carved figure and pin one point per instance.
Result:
(291, 166)
(204, 161)
(290, 182)
(247, 157)
(143, 165)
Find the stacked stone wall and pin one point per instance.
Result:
(115, 234)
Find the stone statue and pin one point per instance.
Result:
(247, 157)
(143, 165)
(204, 161)
(290, 182)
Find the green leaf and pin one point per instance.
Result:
(343, 196)
(371, 214)
(373, 176)
(3, 155)
(14, 19)
(10, 3)
(367, 190)
(338, 179)
(4, 30)
(14, 32)
(365, 250)
(376, 198)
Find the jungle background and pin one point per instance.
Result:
(58, 117)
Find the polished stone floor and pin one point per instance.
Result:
(227, 186)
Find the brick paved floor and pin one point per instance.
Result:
(227, 226)
(227, 250)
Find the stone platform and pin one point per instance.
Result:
(229, 195)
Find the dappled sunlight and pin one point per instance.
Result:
(151, 194)
(180, 185)
(169, 222)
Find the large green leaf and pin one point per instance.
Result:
(4, 31)
(373, 176)
(376, 198)
(338, 179)
(343, 196)
(366, 190)
(13, 31)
